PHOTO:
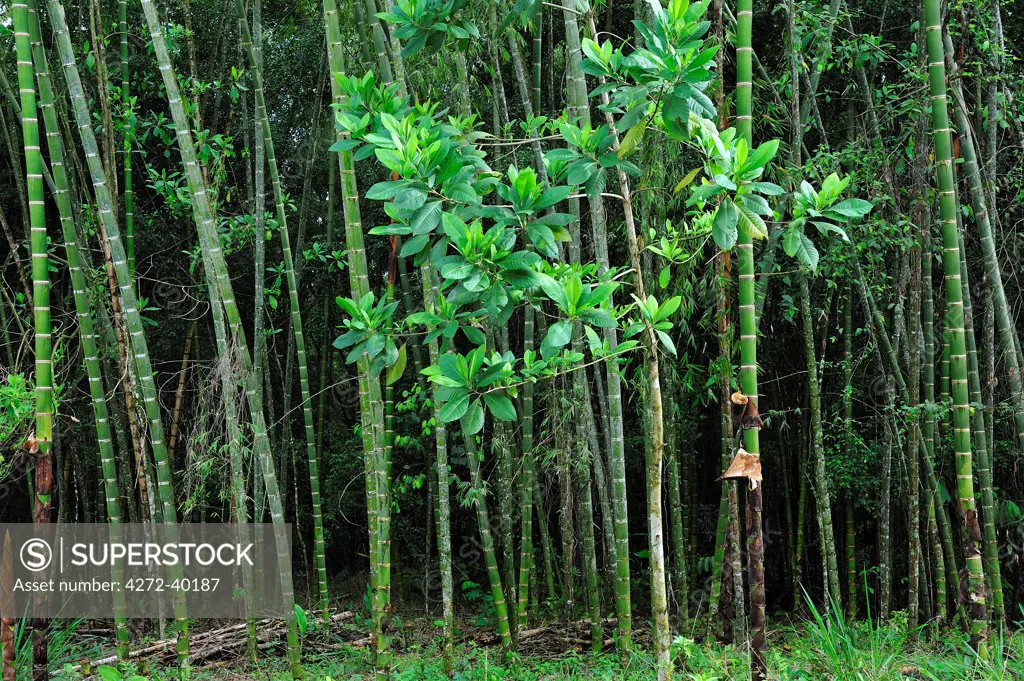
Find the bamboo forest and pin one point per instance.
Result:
(559, 339)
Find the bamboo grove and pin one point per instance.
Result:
(677, 319)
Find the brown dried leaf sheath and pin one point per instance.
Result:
(744, 465)
(31, 444)
(744, 411)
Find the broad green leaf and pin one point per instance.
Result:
(473, 420)
(559, 335)
(396, 370)
(632, 138)
(454, 409)
(414, 245)
(761, 156)
(852, 208)
(424, 220)
(500, 406)
(751, 223)
(798, 245)
(723, 228)
(108, 673)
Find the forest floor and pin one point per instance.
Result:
(809, 650)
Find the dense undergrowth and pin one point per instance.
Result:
(823, 646)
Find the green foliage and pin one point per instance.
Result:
(369, 331)
(667, 76)
(468, 382)
(16, 412)
(427, 23)
(820, 208)
(589, 154)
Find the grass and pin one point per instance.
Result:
(823, 647)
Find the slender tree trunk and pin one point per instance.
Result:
(369, 388)
(443, 520)
(913, 461)
(850, 443)
(487, 541)
(216, 269)
(129, 134)
(617, 453)
(823, 500)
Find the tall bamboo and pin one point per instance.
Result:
(487, 541)
(125, 282)
(296, 314)
(216, 268)
(955, 315)
(823, 499)
(431, 292)
(850, 443)
(1007, 342)
(748, 351)
(370, 402)
(934, 508)
(129, 134)
(44, 403)
(83, 308)
(617, 450)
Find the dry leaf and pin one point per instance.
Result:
(31, 444)
(744, 465)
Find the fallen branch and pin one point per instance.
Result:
(205, 644)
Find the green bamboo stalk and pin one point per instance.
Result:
(259, 197)
(83, 309)
(129, 134)
(913, 437)
(487, 541)
(1007, 342)
(125, 283)
(296, 314)
(955, 314)
(526, 475)
(748, 350)
(359, 18)
(888, 356)
(397, 62)
(536, 58)
(325, 342)
(801, 524)
(369, 388)
(431, 292)
(589, 552)
(725, 339)
(675, 509)
(546, 550)
(617, 452)
(216, 269)
(44, 402)
(928, 424)
(239, 504)
(379, 44)
(979, 437)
